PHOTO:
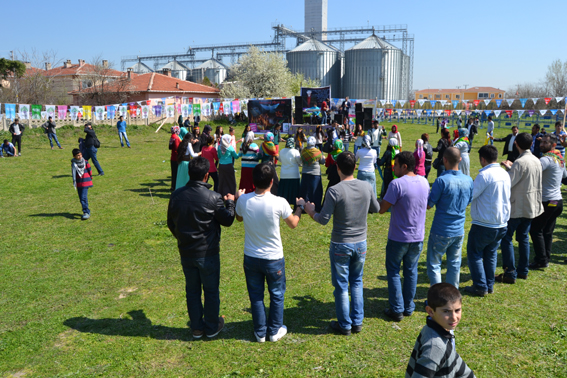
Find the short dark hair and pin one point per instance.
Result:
(262, 175)
(406, 157)
(425, 137)
(346, 163)
(442, 293)
(524, 141)
(453, 156)
(552, 138)
(210, 140)
(75, 151)
(16, 120)
(537, 126)
(5, 140)
(50, 117)
(198, 168)
(558, 123)
(489, 153)
(120, 117)
(513, 127)
(490, 118)
(88, 124)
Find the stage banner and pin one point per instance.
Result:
(421, 102)
(236, 107)
(497, 113)
(314, 96)
(534, 100)
(36, 111)
(543, 111)
(99, 113)
(520, 112)
(531, 113)
(227, 108)
(523, 101)
(87, 112)
(145, 111)
(419, 111)
(486, 102)
(443, 102)
(510, 101)
(61, 111)
(476, 102)
(10, 111)
(498, 103)
(75, 110)
(170, 111)
(458, 112)
(509, 113)
(412, 103)
(402, 103)
(547, 99)
(455, 103)
(553, 111)
(110, 111)
(50, 110)
(432, 102)
(24, 111)
(268, 113)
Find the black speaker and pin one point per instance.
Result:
(298, 110)
(368, 114)
(358, 107)
(339, 118)
(367, 125)
(359, 118)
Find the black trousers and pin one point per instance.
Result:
(541, 231)
(215, 177)
(17, 139)
(173, 174)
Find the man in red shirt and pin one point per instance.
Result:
(324, 110)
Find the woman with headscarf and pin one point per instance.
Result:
(269, 154)
(311, 184)
(174, 142)
(196, 139)
(250, 158)
(290, 160)
(182, 132)
(227, 154)
(442, 145)
(205, 135)
(387, 162)
(367, 157)
(300, 139)
(428, 153)
(184, 155)
(331, 163)
(462, 143)
(419, 155)
(396, 134)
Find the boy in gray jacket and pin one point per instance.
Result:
(434, 351)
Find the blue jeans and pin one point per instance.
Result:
(437, 246)
(83, 193)
(202, 273)
(355, 149)
(273, 272)
(377, 149)
(522, 228)
(441, 169)
(122, 134)
(401, 297)
(345, 144)
(347, 267)
(54, 136)
(90, 153)
(369, 177)
(324, 118)
(482, 248)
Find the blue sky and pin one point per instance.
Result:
(499, 43)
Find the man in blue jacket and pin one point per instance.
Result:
(121, 126)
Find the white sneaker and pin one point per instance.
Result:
(19, 154)
(281, 333)
(259, 339)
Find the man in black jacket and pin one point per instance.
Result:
(194, 217)
(90, 148)
(49, 128)
(17, 130)
(510, 148)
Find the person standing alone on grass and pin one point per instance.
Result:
(348, 202)
(264, 261)
(90, 147)
(407, 197)
(194, 216)
(121, 126)
(451, 193)
(17, 130)
(82, 180)
(49, 128)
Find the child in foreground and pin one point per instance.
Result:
(82, 180)
(434, 352)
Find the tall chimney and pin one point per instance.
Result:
(67, 63)
(28, 64)
(81, 62)
(105, 63)
(177, 85)
(167, 71)
(47, 66)
(129, 73)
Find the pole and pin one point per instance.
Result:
(564, 112)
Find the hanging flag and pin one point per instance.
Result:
(402, 103)
(476, 102)
(466, 101)
(123, 110)
(421, 102)
(531, 112)
(458, 112)
(412, 103)
(383, 102)
(510, 101)
(50, 110)
(543, 111)
(497, 113)
(36, 111)
(487, 112)
(61, 111)
(185, 110)
(145, 111)
(419, 111)
(170, 111)
(553, 111)
(439, 112)
(443, 102)
(428, 112)
(227, 108)
(498, 103)
(547, 99)
(509, 113)
(221, 108)
(75, 110)
(486, 102)
(558, 99)
(520, 112)
(197, 109)
(10, 111)
(467, 105)
(99, 113)
(534, 100)
(157, 110)
(394, 103)
(216, 107)
(24, 111)
(455, 103)
(523, 101)
(43, 115)
(235, 107)
(110, 111)
(87, 112)
(448, 111)
(389, 111)
(432, 102)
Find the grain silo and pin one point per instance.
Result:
(178, 70)
(373, 69)
(213, 69)
(318, 61)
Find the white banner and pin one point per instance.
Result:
(535, 100)
(486, 102)
(510, 101)
(443, 102)
(185, 110)
(520, 112)
(402, 103)
(458, 112)
(123, 111)
(99, 113)
(24, 111)
(383, 102)
(145, 111)
(542, 112)
(466, 101)
(75, 110)
(558, 99)
(170, 111)
(421, 102)
(50, 110)
(227, 108)
(419, 111)
(439, 112)
(497, 113)
(43, 115)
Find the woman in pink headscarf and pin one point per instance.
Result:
(419, 155)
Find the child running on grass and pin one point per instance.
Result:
(82, 180)
(434, 352)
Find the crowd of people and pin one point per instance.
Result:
(520, 195)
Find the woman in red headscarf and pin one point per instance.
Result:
(395, 134)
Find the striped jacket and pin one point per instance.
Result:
(434, 355)
(86, 179)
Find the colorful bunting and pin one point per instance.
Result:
(402, 103)
(110, 111)
(509, 113)
(10, 111)
(486, 102)
(99, 113)
(543, 111)
(432, 102)
(421, 102)
(531, 112)
(498, 103)
(553, 111)
(61, 111)
(534, 100)
(497, 113)
(458, 112)
(87, 109)
(520, 112)
(443, 102)
(412, 103)
(36, 111)
(523, 101)
(24, 111)
(455, 103)
(476, 102)
(510, 101)
(547, 99)
(74, 112)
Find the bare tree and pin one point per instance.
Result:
(556, 78)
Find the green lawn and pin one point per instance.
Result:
(105, 297)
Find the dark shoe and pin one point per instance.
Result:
(407, 314)
(522, 277)
(220, 327)
(504, 279)
(356, 329)
(490, 291)
(395, 316)
(335, 326)
(536, 265)
(472, 291)
(101, 174)
(198, 333)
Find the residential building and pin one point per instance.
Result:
(471, 93)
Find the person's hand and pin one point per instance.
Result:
(239, 193)
(309, 208)
(300, 201)
(538, 138)
(229, 197)
(507, 163)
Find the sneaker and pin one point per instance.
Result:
(536, 265)
(220, 327)
(395, 316)
(335, 326)
(85, 216)
(505, 279)
(101, 174)
(259, 339)
(490, 291)
(407, 314)
(356, 328)
(522, 277)
(198, 333)
(60, 148)
(19, 154)
(472, 291)
(281, 333)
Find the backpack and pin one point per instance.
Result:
(96, 142)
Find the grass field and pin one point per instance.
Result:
(105, 297)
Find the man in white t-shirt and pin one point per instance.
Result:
(263, 251)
